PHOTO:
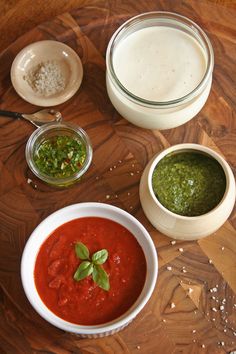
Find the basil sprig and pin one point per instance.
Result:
(92, 266)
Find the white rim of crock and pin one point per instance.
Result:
(191, 147)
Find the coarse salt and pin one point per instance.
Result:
(46, 78)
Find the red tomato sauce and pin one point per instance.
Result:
(84, 302)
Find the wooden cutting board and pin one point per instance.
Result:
(121, 152)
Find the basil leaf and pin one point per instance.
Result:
(100, 257)
(100, 277)
(84, 269)
(81, 251)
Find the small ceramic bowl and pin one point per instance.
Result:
(52, 222)
(186, 227)
(49, 131)
(68, 72)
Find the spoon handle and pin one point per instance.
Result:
(11, 114)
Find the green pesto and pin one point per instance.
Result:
(189, 183)
(60, 156)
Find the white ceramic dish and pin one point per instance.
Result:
(76, 211)
(186, 227)
(44, 51)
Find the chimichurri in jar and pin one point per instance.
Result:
(189, 183)
(60, 156)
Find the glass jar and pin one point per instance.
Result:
(49, 131)
(163, 114)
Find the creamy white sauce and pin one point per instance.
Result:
(159, 63)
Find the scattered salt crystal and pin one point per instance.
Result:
(214, 290)
(138, 172)
(213, 297)
(138, 347)
(114, 166)
(116, 195)
(223, 301)
(214, 309)
(131, 207)
(184, 270)
(128, 193)
(234, 333)
(107, 196)
(222, 307)
(213, 319)
(210, 261)
(181, 249)
(168, 268)
(190, 290)
(29, 181)
(203, 346)
(131, 173)
(97, 177)
(110, 168)
(172, 305)
(225, 330)
(132, 165)
(194, 331)
(222, 248)
(222, 343)
(163, 320)
(173, 242)
(234, 305)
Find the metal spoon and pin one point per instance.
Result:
(38, 118)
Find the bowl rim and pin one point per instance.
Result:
(191, 147)
(57, 126)
(124, 319)
(61, 97)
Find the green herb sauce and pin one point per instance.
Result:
(60, 156)
(189, 183)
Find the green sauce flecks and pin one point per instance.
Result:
(60, 156)
(189, 183)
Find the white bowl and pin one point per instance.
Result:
(41, 233)
(43, 51)
(186, 227)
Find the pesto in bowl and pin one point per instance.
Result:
(189, 183)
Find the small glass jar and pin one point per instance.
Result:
(49, 131)
(153, 114)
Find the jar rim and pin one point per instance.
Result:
(198, 34)
(43, 131)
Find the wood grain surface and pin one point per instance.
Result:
(196, 324)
